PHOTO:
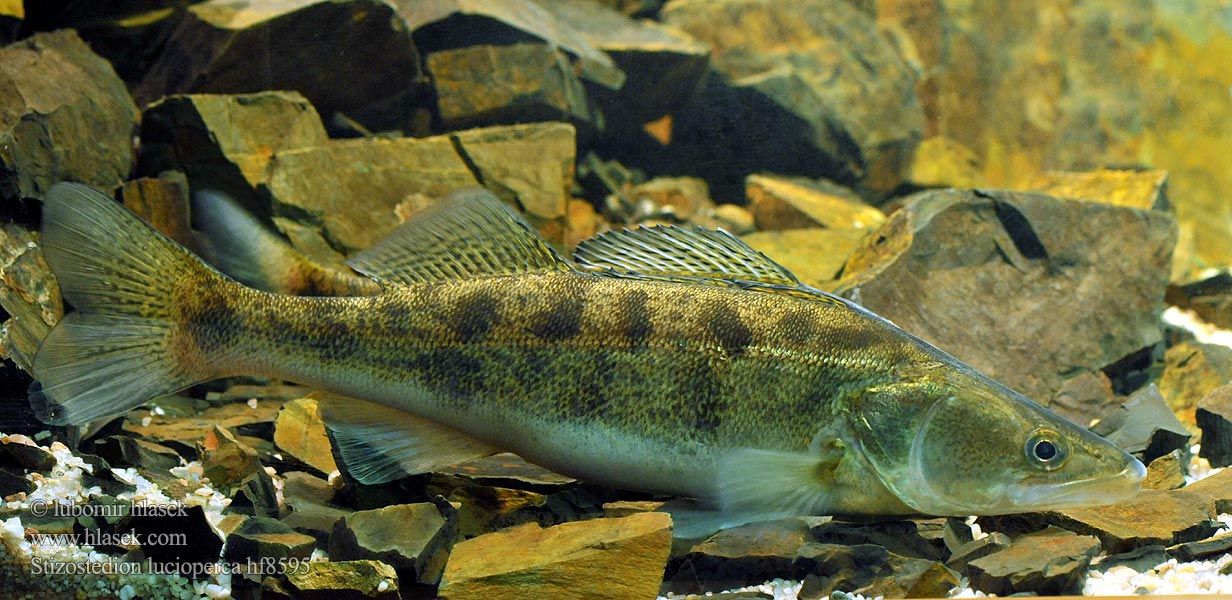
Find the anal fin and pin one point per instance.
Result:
(379, 444)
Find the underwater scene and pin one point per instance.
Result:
(615, 299)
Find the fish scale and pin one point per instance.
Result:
(666, 360)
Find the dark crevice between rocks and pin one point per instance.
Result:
(1019, 229)
(1134, 370)
(467, 160)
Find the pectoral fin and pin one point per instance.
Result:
(774, 483)
(379, 444)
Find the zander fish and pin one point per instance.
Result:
(664, 359)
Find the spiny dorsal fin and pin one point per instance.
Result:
(469, 233)
(675, 252)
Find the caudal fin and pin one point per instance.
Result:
(119, 348)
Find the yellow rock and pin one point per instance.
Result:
(1189, 374)
(1144, 190)
(815, 255)
(786, 203)
(597, 559)
(943, 162)
(298, 431)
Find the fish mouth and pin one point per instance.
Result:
(1082, 493)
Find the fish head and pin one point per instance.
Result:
(961, 444)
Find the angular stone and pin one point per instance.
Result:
(736, 219)
(132, 451)
(528, 165)
(1214, 418)
(344, 580)
(745, 555)
(1084, 398)
(1144, 426)
(225, 47)
(262, 537)
(414, 539)
(899, 537)
(503, 470)
(818, 71)
(1151, 517)
(190, 428)
(976, 549)
(1210, 298)
(816, 256)
(1215, 490)
(13, 481)
(1166, 472)
(1144, 190)
(1140, 560)
(1026, 288)
(796, 203)
(1191, 371)
(662, 64)
(21, 452)
(624, 508)
(234, 468)
(1051, 562)
(64, 115)
(869, 570)
(163, 203)
(1216, 545)
(28, 293)
(581, 222)
(298, 431)
(202, 545)
(308, 502)
(600, 558)
(505, 84)
(226, 142)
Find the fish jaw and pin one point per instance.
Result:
(1075, 494)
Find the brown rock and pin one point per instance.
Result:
(581, 222)
(1210, 298)
(163, 203)
(815, 256)
(64, 114)
(234, 468)
(1166, 472)
(261, 537)
(505, 84)
(1191, 371)
(1213, 417)
(28, 293)
(1152, 517)
(624, 508)
(133, 451)
(21, 452)
(190, 428)
(871, 571)
(529, 165)
(1215, 490)
(796, 203)
(745, 555)
(225, 48)
(1084, 398)
(899, 537)
(735, 219)
(600, 558)
(976, 549)
(412, 538)
(818, 71)
(1024, 287)
(298, 431)
(1051, 562)
(347, 580)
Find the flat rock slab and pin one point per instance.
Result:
(1024, 287)
(795, 203)
(1191, 371)
(739, 556)
(1144, 426)
(816, 256)
(299, 431)
(871, 571)
(1210, 298)
(1151, 518)
(1050, 562)
(1141, 189)
(344, 580)
(412, 538)
(600, 558)
(66, 115)
(1215, 491)
(259, 537)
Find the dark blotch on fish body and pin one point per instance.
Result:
(560, 321)
(635, 316)
(732, 335)
(475, 316)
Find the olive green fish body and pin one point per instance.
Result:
(651, 365)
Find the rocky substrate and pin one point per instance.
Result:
(1056, 218)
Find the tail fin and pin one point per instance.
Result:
(115, 351)
(244, 248)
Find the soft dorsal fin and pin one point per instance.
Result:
(675, 252)
(468, 233)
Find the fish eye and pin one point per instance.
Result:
(1046, 449)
